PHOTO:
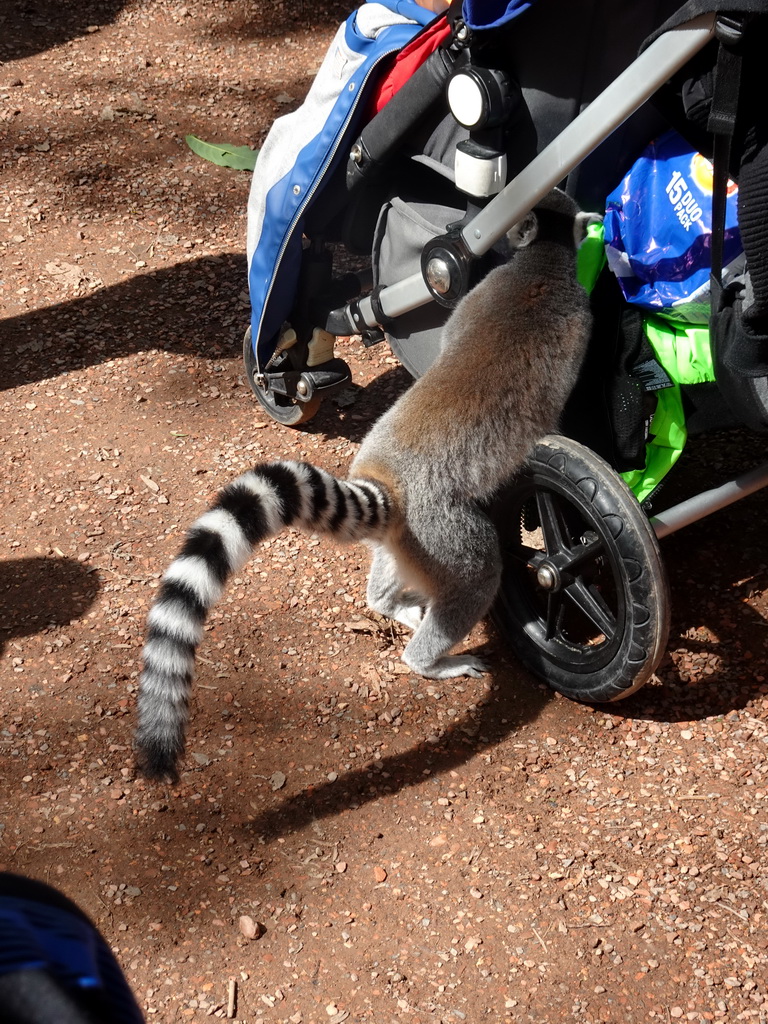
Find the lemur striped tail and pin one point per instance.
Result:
(251, 509)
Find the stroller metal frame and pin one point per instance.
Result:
(701, 505)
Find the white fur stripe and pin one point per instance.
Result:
(270, 500)
(195, 573)
(163, 700)
(350, 525)
(172, 617)
(221, 522)
(165, 658)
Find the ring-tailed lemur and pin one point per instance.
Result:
(510, 355)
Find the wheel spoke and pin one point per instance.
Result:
(526, 555)
(551, 523)
(555, 611)
(582, 553)
(590, 603)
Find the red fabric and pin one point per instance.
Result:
(407, 61)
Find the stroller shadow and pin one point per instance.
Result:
(271, 20)
(513, 701)
(40, 25)
(171, 308)
(39, 592)
(336, 419)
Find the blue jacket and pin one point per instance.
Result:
(298, 154)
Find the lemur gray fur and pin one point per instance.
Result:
(510, 355)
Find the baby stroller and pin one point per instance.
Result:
(422, 141)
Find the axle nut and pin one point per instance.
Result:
(546, 577)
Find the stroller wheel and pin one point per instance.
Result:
(288, 411)
(584, 598)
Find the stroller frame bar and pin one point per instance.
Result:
(636, 84)
(701, 505)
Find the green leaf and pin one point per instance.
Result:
(243, 158)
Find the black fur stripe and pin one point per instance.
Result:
(287, 486)
(357, 505)
(373, 514)
(205, 544)
(179, 646)
(173, 590)
(246, 509)
(319, 493)
(341, 512)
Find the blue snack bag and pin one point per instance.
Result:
(658, 231)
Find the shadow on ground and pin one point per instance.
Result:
(39, 592)
(276, 18)
(718, 575)
(34, 26)
(183, 308)
(512, 702)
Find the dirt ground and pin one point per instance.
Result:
(348, 841)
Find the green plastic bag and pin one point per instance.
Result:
(686, 356)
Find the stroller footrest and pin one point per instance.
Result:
(303, 385)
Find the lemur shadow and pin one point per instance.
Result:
(179, 308)
(514, 700)
(40, 592)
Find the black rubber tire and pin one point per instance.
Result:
(598, 632)
(288, 411)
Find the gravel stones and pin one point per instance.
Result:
(348, 842)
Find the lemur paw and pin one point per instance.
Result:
(452, 666)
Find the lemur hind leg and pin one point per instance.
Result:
(387, 593)
(466, 571)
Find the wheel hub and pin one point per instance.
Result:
(548, 577)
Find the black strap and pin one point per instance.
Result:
(461, 34)
(722, 124)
